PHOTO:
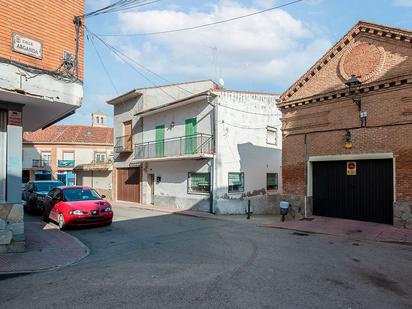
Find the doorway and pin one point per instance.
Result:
(150, 184)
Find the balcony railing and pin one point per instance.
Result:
(179, 146)
(123, 144)
(40, 163)
(65, 163)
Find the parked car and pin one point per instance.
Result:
(77, 206)
(34, 193)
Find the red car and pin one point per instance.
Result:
(76, 206)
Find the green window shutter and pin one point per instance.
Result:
(160, 141)
(190, 136)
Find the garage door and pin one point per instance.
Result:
(128, 185)
(357, 190)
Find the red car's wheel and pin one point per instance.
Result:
(60, 221)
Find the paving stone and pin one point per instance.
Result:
(16, 228)
(5, 237)
(16, 247)
(5, 210)
(16, 214)
(2, 224)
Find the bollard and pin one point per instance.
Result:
(248, 210)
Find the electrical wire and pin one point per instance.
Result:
(122, 57)
(243, 127)
(103, 66)
(118, 6)
(203, 25)
(247, 112)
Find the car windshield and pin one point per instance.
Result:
(72, 195)
(46, 186)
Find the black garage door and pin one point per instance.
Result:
(358, 190)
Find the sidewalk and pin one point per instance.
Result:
(47, 248)
(192, 213)
(358, 230)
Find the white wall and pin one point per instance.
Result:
(242, 146)
(30, 154)
(202, 111)
(172, 191)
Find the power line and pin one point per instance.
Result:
(122, 56)
(247, 112)
(120, 5)
(205, 25)
(243, 127)
(103, 65)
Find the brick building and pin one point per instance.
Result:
(41, 82)
(347, 151)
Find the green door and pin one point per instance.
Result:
(190, 136)
(160, 141)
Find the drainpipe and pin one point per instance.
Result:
(212, 162)
(305, 175)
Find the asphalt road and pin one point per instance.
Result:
(153, 260)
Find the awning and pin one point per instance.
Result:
(93, 167)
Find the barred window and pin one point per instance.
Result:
(236, 182)
(272, 181)
(198, 183)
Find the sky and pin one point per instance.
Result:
(266, 52)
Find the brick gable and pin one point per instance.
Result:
(373, 52)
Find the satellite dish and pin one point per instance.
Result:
(221, 82)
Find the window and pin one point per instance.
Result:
(272, 181)
(272, 136)
(236, 182)
(198, 183)
(46, 158)
(100, 157)
(68, 156)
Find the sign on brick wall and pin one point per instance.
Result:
(27, 46)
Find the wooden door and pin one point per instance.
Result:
(128, 184)
(128, 135)
(150, 183)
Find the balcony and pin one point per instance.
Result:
(65, 163)
(194, 146)
(41, 163)
(123, 144)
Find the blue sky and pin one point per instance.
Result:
(267, 52)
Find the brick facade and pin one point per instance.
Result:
(319, 109)
(50, 22)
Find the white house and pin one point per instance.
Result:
(197, 146)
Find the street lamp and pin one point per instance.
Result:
(354, 84)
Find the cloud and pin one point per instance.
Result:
(405, 3)
(94, 103)
(96, 4)
(273, 47)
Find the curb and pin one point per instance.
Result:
(6, 274)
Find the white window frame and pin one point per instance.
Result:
(272, 130)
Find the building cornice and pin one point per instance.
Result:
(368, 88)
(360, 28)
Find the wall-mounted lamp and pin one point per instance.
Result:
(172, 125)
(348, 139)
(354, 84)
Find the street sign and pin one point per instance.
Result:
(351, 168)
(27, 46)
